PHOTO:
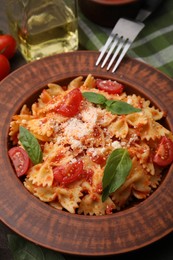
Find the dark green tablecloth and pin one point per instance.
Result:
(154, 44)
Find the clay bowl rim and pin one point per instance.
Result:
(83, 57)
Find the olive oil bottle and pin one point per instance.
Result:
(43, 27)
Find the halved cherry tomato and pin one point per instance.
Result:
(71, 103)
(111, 87)
(164, 153)
(20, 160)
(4, 66)
(99, 159)
(7, 45)
(66, 174)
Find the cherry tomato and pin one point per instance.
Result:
(7, 45)
(111, 87)
(99, 159)
(71, 103)
(164, 153)
(68, 173)
(4, 66)
(20, 160)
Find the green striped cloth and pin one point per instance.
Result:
(154, 44)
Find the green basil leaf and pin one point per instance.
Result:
(31, 145)
(95, 98)
(114, 106)
(23, 249)
(109, 102)
(121, 108)
(117, 168)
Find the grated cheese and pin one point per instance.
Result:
(116, 145)
(76, 128)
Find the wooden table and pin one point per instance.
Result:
(160, 250)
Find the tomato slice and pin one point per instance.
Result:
(20, 160)
(66, 174)
(99, 159)
(164, 153)
(111, 87)
(71, 103)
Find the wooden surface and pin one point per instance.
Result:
(83, 235)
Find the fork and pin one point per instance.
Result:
(123, 34)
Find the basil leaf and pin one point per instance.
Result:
(95, 98)
(31, 145)
(109, 102)
(120, 108)
(23, 249)
(117, 168)
(114, 106)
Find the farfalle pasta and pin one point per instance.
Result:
(78, 128)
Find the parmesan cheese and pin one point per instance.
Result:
(116, 145)
(76, 128)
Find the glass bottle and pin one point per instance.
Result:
(43, 27)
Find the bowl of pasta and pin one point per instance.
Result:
(84, 150)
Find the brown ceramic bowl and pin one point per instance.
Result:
(107, 12)
(124, 231)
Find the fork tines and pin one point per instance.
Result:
(119, 41)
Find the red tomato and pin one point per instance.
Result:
(4, 66)
(7, 45)
(164, 153)
(20, 160)
(68, 173)
(111, 87)
(99, 159)
(71, 103)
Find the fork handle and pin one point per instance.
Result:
(149, 7)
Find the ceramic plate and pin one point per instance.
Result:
(120, 232)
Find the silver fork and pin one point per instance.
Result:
(122, 36)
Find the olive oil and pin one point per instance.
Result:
(46, 29)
